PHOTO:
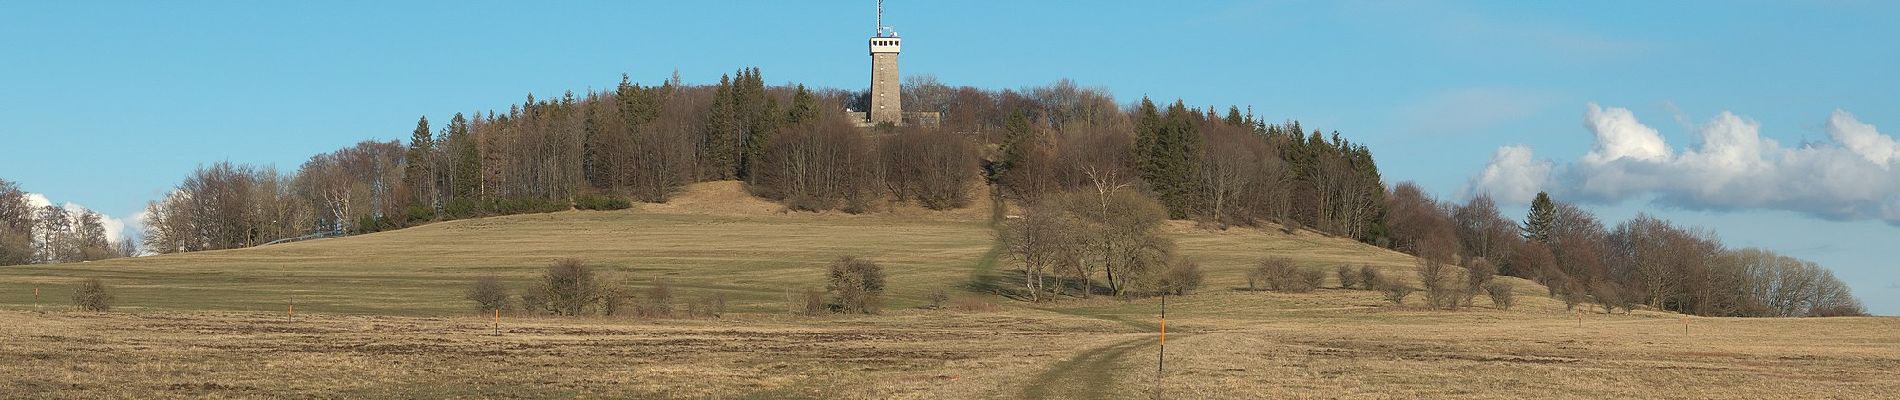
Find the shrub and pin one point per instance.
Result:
(855, 285)
(1852, 309)
(533, 300)
(1478, 272)
(938, 297)
(1369, 278)
(613, 298)
(569, 287)
(658, 302)
(1435, 278)
(1310, 279)
(1396, 292)
(1608, 297)
(488, 294)
(1279, 274)
(1182, 277)
(813, 302)
(91, 295)
(1347, 278)
(712, 305)
(1572, 295)
(1500, 293)
(591, 201)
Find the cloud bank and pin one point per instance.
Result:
(1850, 177)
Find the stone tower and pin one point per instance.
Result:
(886, 104)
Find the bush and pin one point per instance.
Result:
(1279, 274)
(713, 305)
(813, 302)
(1436, 279)
(1500, 293)
(533, 300)
(569, 287)
(591, 201)
(613, 298)
(488, 294)
(1181, 277)
(1396, 292)
(1369, 278)
(855, 285)
(1608, 297)
(1572, 295)
(658, 302)
(91, 295)
(1311, 279)
(1347, 278)
(938, 298)
(1478, 273)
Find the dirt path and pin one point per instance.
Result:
(1087, 375)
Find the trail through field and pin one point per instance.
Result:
(1087, 375)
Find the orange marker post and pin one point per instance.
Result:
(497, 322)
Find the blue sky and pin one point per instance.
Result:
(108, 104)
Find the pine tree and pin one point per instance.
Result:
(721, 133)
(1543, 215)
(1168, 155)
(418, 172)
(1147, 128)
(804, 107)
(465, 167)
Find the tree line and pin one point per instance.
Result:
(790, 144)
(1644, 261)
(31, 234)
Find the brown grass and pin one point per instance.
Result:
(212, 324)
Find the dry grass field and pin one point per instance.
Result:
(381, 316)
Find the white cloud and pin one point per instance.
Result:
(1733, 167)
(115, 227)
(1514, 175)
(1620, 136)
(1862, 139)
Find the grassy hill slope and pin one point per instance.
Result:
(714, 238)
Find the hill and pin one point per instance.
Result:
(713, 238)
(381, 315)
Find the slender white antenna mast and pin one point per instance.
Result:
(883, 31)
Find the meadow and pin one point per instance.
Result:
(382, 315)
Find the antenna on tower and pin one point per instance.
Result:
(883, 31)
